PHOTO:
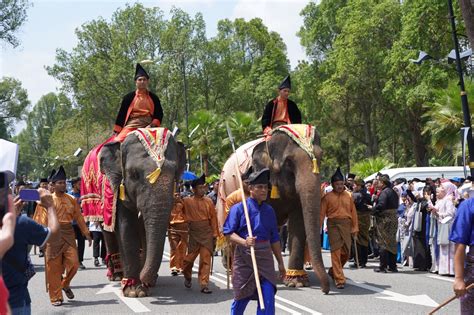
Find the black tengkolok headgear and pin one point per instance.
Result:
(286, 83)
(337, 176)
(260, 177)
(140, 72)
(199, 181)
(50, 177)
(60, 175)
(245, 176)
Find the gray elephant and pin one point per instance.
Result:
(144, 212)
(294, 171)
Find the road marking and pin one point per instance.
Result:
(441, 278)
(421, 299)
(303, 308)
(133, 303)
(278, 305)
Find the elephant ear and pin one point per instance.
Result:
(181, 151)
(318, 152)
(260, 157)
(110, 159)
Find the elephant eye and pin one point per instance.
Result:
(133, 173)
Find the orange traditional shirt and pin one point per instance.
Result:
(142, 104)
(201, 209)
(281, 112)
(177, 213)
(67, 210)
(339, 206)
(234, 198)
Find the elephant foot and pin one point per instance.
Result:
(148, 278)
(114, 267)
(117, 276)
(296, 279)
(133, 288)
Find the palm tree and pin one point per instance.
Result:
(444, 120)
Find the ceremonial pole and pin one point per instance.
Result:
(247, 220)
(449, 300)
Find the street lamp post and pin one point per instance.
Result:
(464, 102)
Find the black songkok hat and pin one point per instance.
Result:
(50, 177)
(140, 72)
(260, 177)
(246, 175)
(60, 175)
(286, 83)
(43, 180)
(199, 181)
(350, 175)
(337, 176)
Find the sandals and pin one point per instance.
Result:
(57, 303)
(187, 283)
(68, 293)
(206, 290)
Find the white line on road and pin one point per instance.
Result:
(421, 299)
(441, 278)
(133, 303)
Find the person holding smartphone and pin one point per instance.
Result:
(61, 254)
(7, 230)
(16, 261)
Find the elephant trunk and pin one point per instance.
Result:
(156, 225)
(308, 187)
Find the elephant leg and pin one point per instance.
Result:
(113, 261)
(127, 227)
(295, 274)
(141, 232)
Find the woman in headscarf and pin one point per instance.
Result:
(445, 211)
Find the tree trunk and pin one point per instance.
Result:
(420, 151)
(467, 10)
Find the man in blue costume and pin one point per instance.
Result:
(463, 235)
(265, 241)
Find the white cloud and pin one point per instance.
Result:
(281, 16)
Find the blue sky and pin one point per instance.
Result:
(51, 25)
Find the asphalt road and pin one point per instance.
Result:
(366, 292)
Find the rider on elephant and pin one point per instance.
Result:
(280, 110)
(140, 108)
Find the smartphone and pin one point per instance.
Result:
(29, 195)
(3, 195)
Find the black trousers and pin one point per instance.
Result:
(362, 252)
(387, 259)
(98, 245)
(81, 242)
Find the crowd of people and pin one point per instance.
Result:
(427, 225)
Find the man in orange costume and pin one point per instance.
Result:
(139, 109)
(177, 236)
(340, 210)
(61, 255)
(280, 110)
(201, 215)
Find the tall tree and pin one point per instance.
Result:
(467, 10)
(411, 87)
(12, 17)
(13, 105)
